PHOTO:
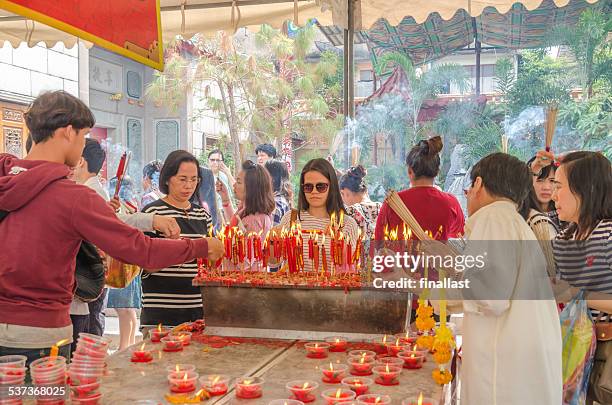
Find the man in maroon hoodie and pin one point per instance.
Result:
(46, 218)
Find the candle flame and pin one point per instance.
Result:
(331, 366)
(142, 347)
(178, 368)
(216, 379)
(377, 400)
(247, 382)
(387, 368)
(316, 345)
(384, 339)
(159, 327)
(338, 392)
(337, 340)
(62, 342)
(412, 356)
(363, 355)
(414, 348)
(407, 334)
(362, 359)
(199, 393)
(420, 400)
(305, 385)
(185, 377)
(397, 342)
(341, 217)
(357, 383)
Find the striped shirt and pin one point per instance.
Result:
(309, 223)
(168, 296)
(587, 263)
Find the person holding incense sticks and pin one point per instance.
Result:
(42, 209)
(253, 191)
(436, 211)
(325, 227)
(168, 295)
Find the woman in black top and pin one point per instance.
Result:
(168, 296)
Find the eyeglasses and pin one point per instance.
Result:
(185, 181)
(309, 187)
(215, 160)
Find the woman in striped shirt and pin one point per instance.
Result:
(583, 197)
(168, 296)
(319, 197)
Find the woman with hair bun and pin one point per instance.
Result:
(436, 211)
(357, 203)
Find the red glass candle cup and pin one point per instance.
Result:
(412, 360)
(337, 396)
(380, 344)
(387, 375)
(172, 344)
(180, 368)
(141, 355)
(394, 348)
(84, 391)
(302, 390)
(337, 344)
(358, 385)
(215, 384)
(392, 361)
(183, 336)
(407, 338)
(12, 361)
(249, 387)
(316, 350)
(362, 353)
(158, 333)
(374, 399)
(361, 366)
(183, 382)
(333, 373)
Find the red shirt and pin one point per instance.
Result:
(436, 211)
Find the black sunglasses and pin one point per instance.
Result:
(309, 187)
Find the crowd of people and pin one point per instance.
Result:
(53, 200)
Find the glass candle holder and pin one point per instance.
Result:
(180, 368)
(407, 338)
(337, 396)
(374, 399)
(361, 366)
(183, 382)
(249, 387)
(362, 353)
(141, 355)
(172, 344)
(392, 361)
(387, 375)
(380, 344)
(334, 373)
(395, 347)
(158, 333)
(420, 400)
(183, 336)
(215, 384)
(337, 344)
(358, 385)
(302, 390)
(317, 350)
(412, 360)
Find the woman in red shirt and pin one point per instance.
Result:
(436, 211)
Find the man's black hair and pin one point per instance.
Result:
(267, 149)
(94, 155)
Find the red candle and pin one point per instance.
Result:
(338, 396)
(142, 355)
(172, 344)
(334, 373)
(380, 344)
(375, 399)
(418, 401)
(302, 390)
(412, 360)
(361, 366)
(183, 336)
(215, 384)
(337, 344)
(359, 386)
(324, 258)
(181, 383)
(316, 255)
(394, 349)
(407, 338)
(249, 387)
(159, 333)
(387, 375)
(316, 350)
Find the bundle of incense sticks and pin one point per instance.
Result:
(121, 169)
(551, 123)
(504, 143)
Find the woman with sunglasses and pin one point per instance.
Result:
(436, 211)
(253, 190)
(168, 296)
(319, 197)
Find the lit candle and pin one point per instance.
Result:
(360, 386)
(394, 349)
(418, 401)
(302, 390)
(380, 345)
(141, 355)
(183, 382)
(337, 343)
(55, 347)
(316, 350)
(361, 366)
(159, 333)
(374, 399)
(249, 387)
(387, 375)
(334, 374)
(172, 344)
(215, 385)
(338, 396)
(412, 360)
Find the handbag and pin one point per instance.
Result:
(600, 383)
(118, 273)
(89, 273)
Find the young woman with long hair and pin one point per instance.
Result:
(354, 191)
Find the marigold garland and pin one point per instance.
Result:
(442, 376)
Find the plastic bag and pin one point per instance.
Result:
(579, 343)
